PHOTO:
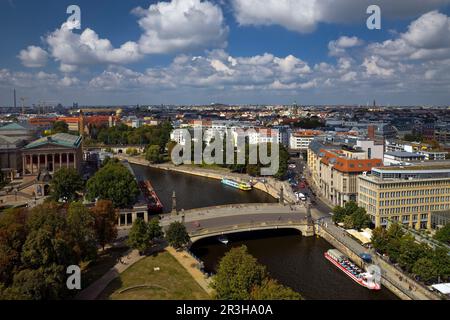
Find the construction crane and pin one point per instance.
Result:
(23, 103)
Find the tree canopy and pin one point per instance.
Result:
(177, 235)
(113, 182)
(65, 185)
(240, 277)
(38, 244)
(443, 234)
(352, 216)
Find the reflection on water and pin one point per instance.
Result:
(195, 192)
(295, 261)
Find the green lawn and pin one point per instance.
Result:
(172, 282)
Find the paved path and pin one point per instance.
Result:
(97, 287)
(191, 266)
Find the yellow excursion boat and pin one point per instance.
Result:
(238, 185)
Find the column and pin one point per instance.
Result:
(60, 160)
(418, 221)
(67, 160)
(410, 224)
(429, 221)
(39, 163)
(74, 160)
(24, 164)
(31, 163)
(377, 220)
(46, 161)
(53, 162)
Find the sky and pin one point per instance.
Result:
(130, 52)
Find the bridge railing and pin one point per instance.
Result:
(244, 226)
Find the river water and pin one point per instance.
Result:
(295, 261)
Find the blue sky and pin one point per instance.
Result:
(236, 51)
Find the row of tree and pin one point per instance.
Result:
(37, 245)
(122, 134)
(428, 264)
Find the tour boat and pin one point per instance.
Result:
(238, 185)
(223, 239)
(371, 278)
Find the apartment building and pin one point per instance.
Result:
(335, 170)
(409, 195)
(300, 140)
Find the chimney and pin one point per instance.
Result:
(371, 132)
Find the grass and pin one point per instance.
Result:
(172, 282)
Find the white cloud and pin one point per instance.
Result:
(33, 57)
(67, 68)
(427, 38)
(338, 47)
(294, 15)
(374, 67)
(72, 49)
(304, 15)
(181, 25)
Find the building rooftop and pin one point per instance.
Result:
(60, 139)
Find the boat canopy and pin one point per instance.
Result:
(442, 287)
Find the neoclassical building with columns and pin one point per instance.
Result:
(51, 153)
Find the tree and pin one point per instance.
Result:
(237, 274)
(47, 242)
(154, 229)
(352, 216)
(410, 252)
(65, 184)
(380, 239)
(360, 219)
(60, 127)
(425, 269)
(443, 234)
(139, 237)
(177, 235)
(270, 289)
(153, 154)
(340, 212)
(113, 182)
(105, 219)
(13, 233)
(80, 223)
(441, 262)
(41, 284)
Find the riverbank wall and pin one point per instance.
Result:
(388, 272)
(271, 186)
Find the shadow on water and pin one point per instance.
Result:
(295, 261)
(194, 191)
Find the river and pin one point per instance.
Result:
(293, 260)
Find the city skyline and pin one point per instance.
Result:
(313, 54)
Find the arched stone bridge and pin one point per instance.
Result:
(213, 221)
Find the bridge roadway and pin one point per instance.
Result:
(209, 221)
